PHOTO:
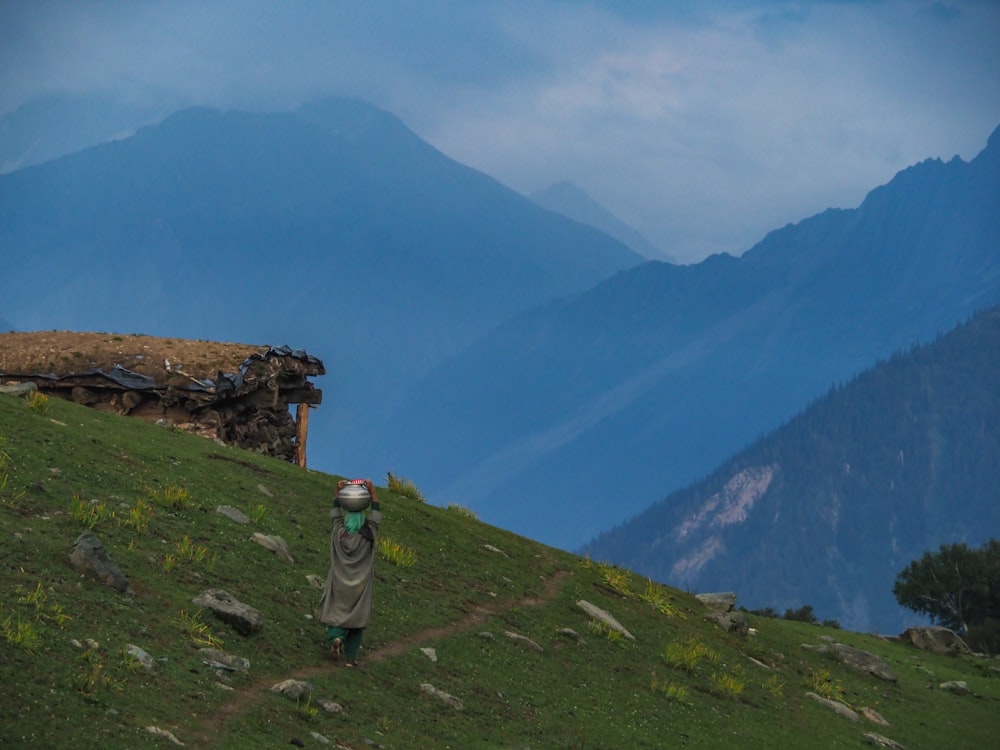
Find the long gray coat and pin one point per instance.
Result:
(347, 597)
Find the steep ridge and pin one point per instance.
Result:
(639, 386)
(827, 509)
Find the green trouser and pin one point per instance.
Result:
(351, 638)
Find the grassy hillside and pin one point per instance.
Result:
(444, 581)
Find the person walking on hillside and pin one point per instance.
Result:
(346, 605)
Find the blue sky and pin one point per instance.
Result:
(702, 124)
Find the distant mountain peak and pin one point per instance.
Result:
(570, 200)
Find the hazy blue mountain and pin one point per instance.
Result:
(830, 507)
(572, 417)
(573, 202)
(47, 127)
(334, 229)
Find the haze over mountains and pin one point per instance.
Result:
(502, 356)
(827, 509)
(652, 378)
(572, 201)
(332, 229)
(47, 127)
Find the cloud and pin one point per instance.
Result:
(704, 125)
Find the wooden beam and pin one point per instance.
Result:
(301, 432)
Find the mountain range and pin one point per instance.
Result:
(333, 229)
(566, 420)
(827, 509)
(503, 356)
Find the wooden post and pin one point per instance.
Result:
(301, 430)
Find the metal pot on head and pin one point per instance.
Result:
(354, 497)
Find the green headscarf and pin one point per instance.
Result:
(354, 520)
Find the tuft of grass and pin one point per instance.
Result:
(175, 498)
(670, 691)
(618, 579)
(187, 552)
(774, 686)
(463, 511)
(198, 631)
(394, 552)
(38, 600)
(90, 513)
(688, 654)
(727, 684)
(5, 463)
(603, 630)
(822, 682)
(38, 402)
(257, 512)
(139, 516)
(306, 709)
(20, 633)
(92, 676)
(657, 596)
(403, 487)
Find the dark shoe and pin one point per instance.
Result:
(351, 664)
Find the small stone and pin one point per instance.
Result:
(873, 716)
(329, 706)
(444, 697)
(293, 689)
(163, 733)
(836, 706)
(959, 687)
(603, 616)
(878, 740)
(217, 659)
(274, 543)
(234, 514)
(140, 656)
(524, 641)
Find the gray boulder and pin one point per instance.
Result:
(731, 622)
(604, 616)
(274, 543)
(90, 558)
(936, 639)
(217, 659)
(724, 601)
(856, 659)
(959, 687)
(244, 619)
(234, 514)
(836, 706)
(18, 389)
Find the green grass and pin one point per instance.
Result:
(444, 580)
